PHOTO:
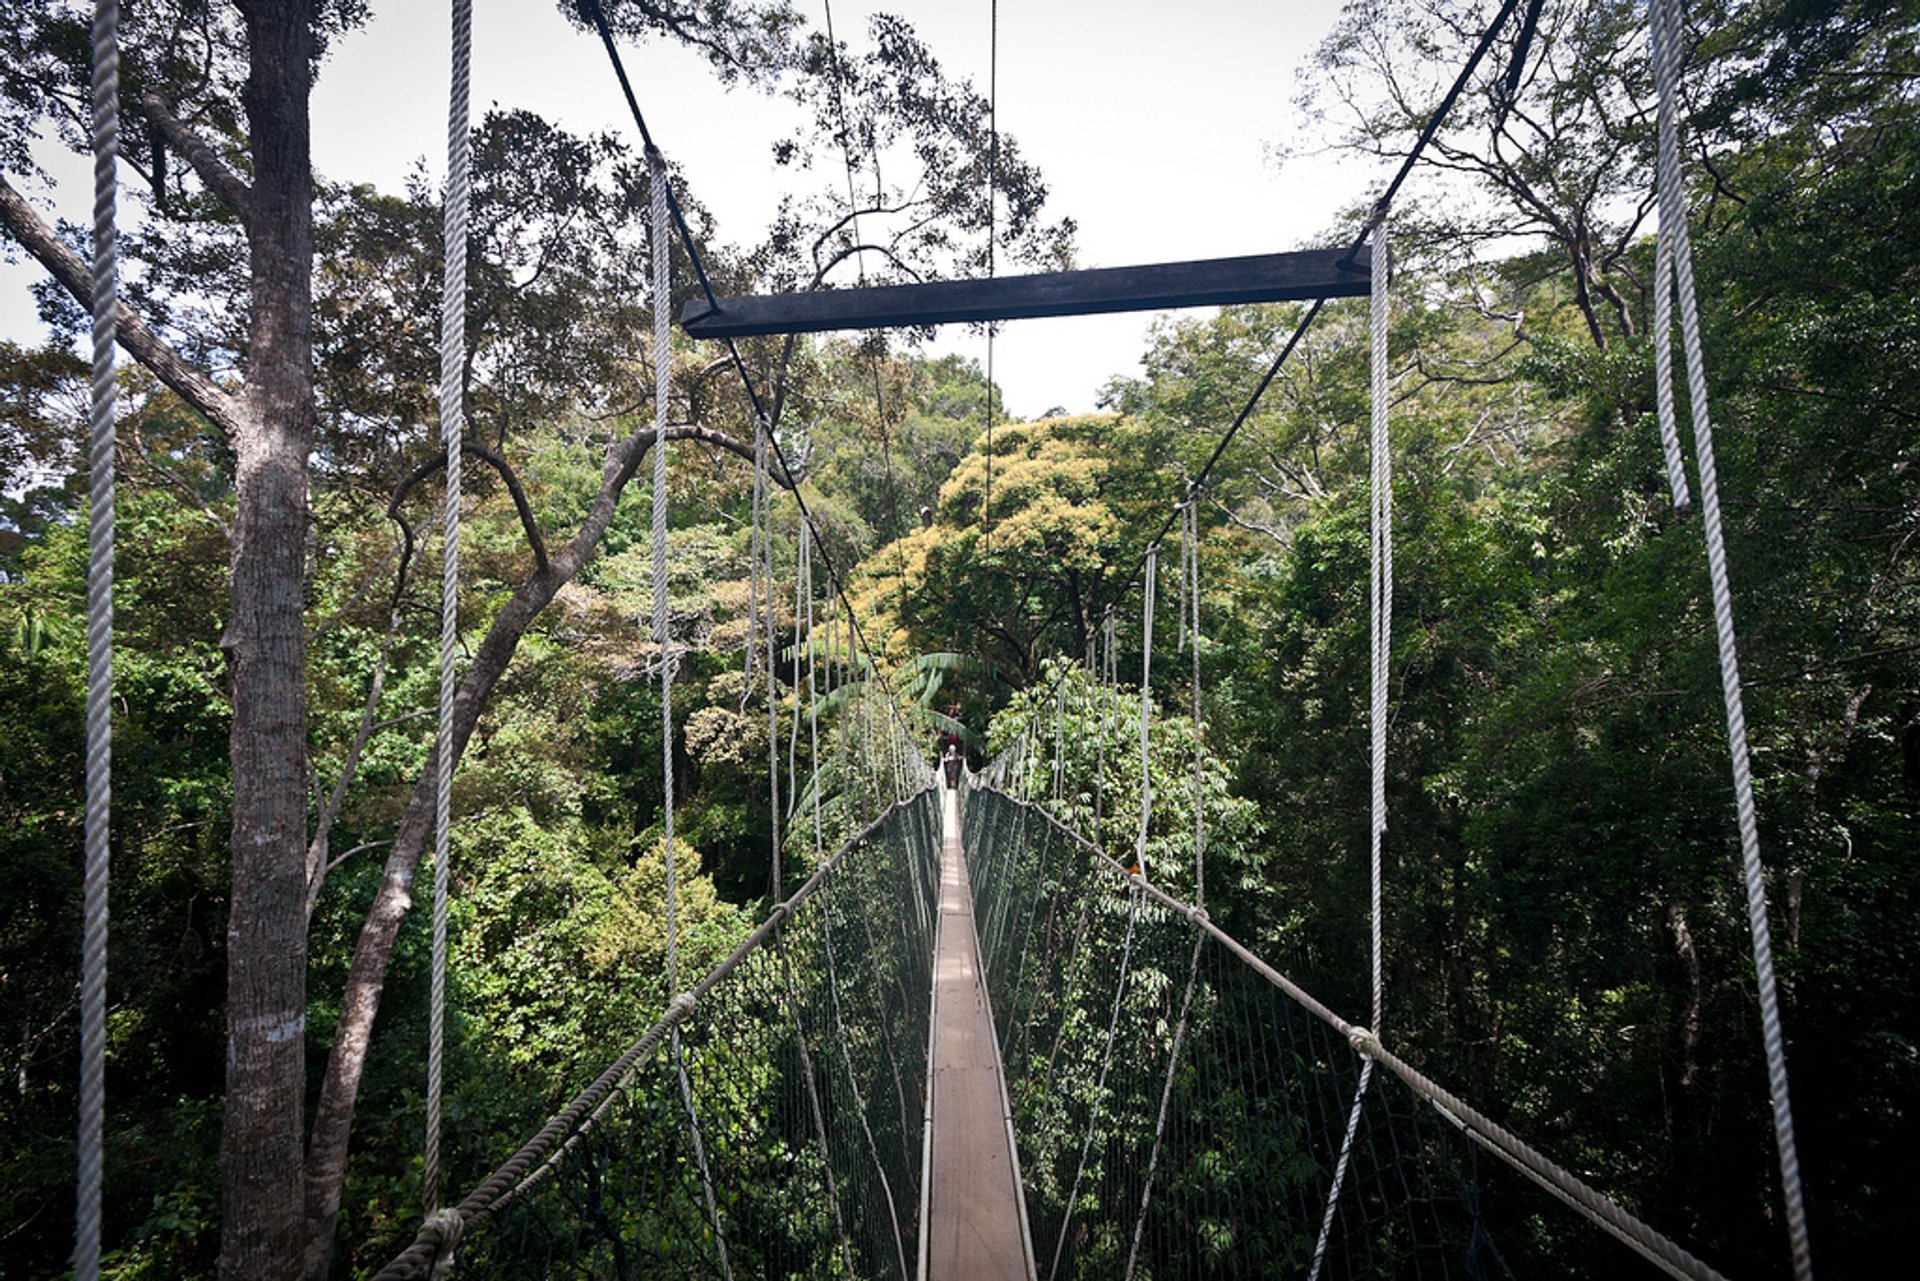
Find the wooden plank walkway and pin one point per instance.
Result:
(975, 1223)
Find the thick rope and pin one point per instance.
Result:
(453, 360)
(1666, 36)
(763, 531)
(1663, 367)
(91, 1139)
(663, 638)
(1146, 708)
(1382, 585)
(662, 392)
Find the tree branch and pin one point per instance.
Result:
(220, 407)
(221, 180)
(507, 474)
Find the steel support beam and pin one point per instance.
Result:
(1290, 277)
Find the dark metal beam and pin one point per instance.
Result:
(1292, 277)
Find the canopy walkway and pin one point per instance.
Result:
(972, 1045)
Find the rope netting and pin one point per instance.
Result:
(804, 1055)
(1180, 1109)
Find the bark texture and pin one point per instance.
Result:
(261, 1175)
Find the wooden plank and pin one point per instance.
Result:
(976, 1227)
(1289, 277)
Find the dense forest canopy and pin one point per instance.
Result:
(1568, 935)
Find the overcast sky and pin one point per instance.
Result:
(1154, 125)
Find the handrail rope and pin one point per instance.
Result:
(90, 1139)
(1666, 33)
(518, 1174)
(1515, 1151)
(453, 361)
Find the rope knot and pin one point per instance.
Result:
(681, 1006)
(1363, 1041)
(450, 1224)
(1198, 915)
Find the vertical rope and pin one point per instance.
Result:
(1663, 362)
(993, 179)
(1380, 635)
(1199, 742)
(99, 787)
(763, 526)
(1666, 38)
(1146, 708)
(662, 247)
(1382, 583)
(1166, 1102)
(453, 360)
(662, 391)
(802, 588)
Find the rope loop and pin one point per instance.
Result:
(1363, 1041)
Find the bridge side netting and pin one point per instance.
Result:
(1178, 1115)
(804, 1056)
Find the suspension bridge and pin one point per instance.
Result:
(973, 1042)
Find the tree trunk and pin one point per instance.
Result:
(260, 1171)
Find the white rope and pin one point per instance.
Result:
(1666, 37)
(1340, 1169)
(662, 636)
(91, 1139)
(802, 586)
(1146, 708)
(453, 360)
(662, 392)
(813, 715)
(1382, 582)
(763, 535)
(1663, 367)
(1199, 741)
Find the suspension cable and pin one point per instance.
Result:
(91, 1138)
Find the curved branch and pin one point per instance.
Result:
(507, 474)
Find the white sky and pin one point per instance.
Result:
(1153, 124)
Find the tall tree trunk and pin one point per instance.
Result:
(260, 1170)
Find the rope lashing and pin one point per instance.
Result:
(103, 408)
(1666, 39)
(1146, 708)
(453, 363)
